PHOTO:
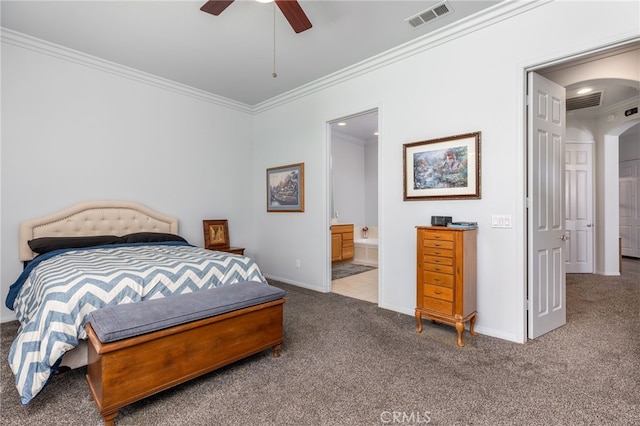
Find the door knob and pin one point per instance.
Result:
(589, 225)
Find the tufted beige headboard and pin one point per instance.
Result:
(95, 218)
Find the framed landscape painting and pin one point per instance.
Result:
(444, 168)
(285, 188)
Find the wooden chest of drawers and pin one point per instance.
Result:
(446, 277)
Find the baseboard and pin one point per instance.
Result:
(7, 318)
(296, 283)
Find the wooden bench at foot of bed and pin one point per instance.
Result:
(229, 328)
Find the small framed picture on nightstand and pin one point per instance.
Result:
(216, 234)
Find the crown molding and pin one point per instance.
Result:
(483, 19)
(24, 41)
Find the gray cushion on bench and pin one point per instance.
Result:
(119, 322)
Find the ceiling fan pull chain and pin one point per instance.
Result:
(274, 75)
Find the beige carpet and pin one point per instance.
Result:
(347, 362)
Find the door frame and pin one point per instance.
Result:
(329, 213)
(522, 237)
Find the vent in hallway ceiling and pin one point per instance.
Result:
(584, 101)
(429, 15)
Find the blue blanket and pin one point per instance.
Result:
(56, 292)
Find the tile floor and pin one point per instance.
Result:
(360, 286)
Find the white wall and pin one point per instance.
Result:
(71, 133)
(371, 183)
(349, 178)
(471, 83)
(630, 144)
(355, 172)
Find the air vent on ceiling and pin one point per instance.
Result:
(584, 101)
(429, 15)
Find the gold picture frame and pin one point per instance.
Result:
(216, 234)
(444, 168)
(285, 188)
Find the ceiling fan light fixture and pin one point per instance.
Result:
(291, 10)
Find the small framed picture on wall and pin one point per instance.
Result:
(216, 234)
(285, 188)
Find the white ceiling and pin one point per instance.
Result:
(231, 55)
(363, 127)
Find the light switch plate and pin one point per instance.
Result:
(501, 221)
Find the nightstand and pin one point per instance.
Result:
(233, 250)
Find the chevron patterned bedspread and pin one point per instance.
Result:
(56, 296)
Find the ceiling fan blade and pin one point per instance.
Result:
(292, 10)
(215, 7)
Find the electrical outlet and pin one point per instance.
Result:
(501, 221)
(297, 263)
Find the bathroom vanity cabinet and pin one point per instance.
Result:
(341, 243)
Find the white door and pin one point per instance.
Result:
(579, 207)
(630, 207)
(545, 191)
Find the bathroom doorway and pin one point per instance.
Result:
(353, 172)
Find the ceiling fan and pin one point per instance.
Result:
(291, 10)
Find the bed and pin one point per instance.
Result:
(92, 255)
